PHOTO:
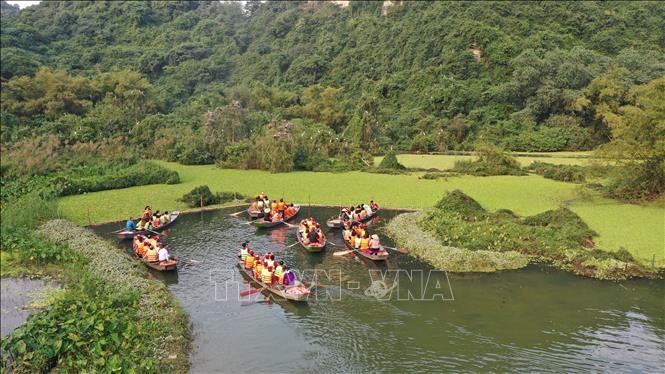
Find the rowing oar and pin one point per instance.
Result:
(336, 245)
(251, 292)
(395, 249)
(288, 224)
(154, 232)
(236, 213)
(293, 244)
(342, 253)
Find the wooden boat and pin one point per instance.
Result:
(279, 290)
(313, 248)
(373, 257)
(125, 234)
(262, 223)
(170, 265)
(337, 223)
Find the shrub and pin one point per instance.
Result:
(136, 175)
(390, 162)
(202, 196)
(490, 160)
(564, 173)
(458, 202)
(31, 248)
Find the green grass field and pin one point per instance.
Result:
(444, 162)
(638, 229)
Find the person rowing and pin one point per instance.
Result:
(131, 225)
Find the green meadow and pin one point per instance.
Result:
(444, 162)
(636, 228)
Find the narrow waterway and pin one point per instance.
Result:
(535, 319)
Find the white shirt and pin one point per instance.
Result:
(163, 254)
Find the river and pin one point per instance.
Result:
(534, 319)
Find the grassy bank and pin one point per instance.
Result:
(110, 318)
(424, 245)
(459, 235)
(641, 234)
(445, 162)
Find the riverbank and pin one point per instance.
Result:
(459, 235)
(640, 229)
(127, 320)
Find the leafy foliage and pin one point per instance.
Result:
(202, 196)
(491, 160)
(564, 173)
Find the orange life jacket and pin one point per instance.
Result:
(281, 205)
(273, 206)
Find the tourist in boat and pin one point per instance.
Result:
(290, 211)
(147, 213)
(151, 254)
(266, 275)
(277, 274)
(368, 209)
(258, 268)
(141, 225)
(162, 253)
(156, 222)
(374, 206)
(262, 196)
(312, 236)
(364, 242)
(288, 278)
(271, 261)
(131, 225)
(346, 234)
(165, 217)
(273, 206)
(276, 216)
(281, 206)
(374, 244)
(250, 261)
(244, 251)
(356, 243)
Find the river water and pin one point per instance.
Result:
(412, 319)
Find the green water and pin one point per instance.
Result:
(536, 319)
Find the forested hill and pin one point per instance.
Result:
(207, 78)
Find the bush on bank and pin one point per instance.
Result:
(558, 236)
(112, 318)
(202, 196)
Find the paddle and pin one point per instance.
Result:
(395, 249)
(236, 213)
(154, 232)
(289, 225)
(336, 245)
(296, 243)
(251, 292)
(342, 253)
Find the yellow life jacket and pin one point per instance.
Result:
(266, 276)
(151, 255)
(278, 271)
(273, 206)
(258, 269)
(364, 243)
(249, 262)
(280, 278)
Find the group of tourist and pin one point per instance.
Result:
(358, 237)
(150, 248)
(149, 220)
(266, 269)
(311, 232)
(273, 211)
(358, 213)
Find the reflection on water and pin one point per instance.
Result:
(534, 319)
